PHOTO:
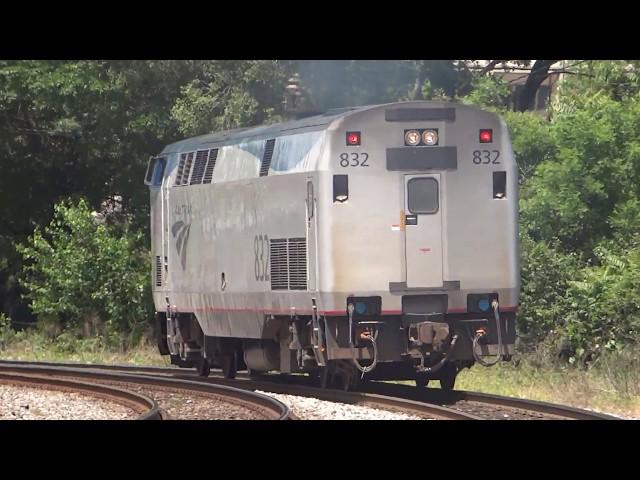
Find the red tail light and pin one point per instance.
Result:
(353, 138)
(486, 135)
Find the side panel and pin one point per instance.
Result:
(231, 226)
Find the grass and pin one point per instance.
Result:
(594, 389)
(32, 345)
(612, 385)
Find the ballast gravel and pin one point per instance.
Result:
(25, 403)
(182, 405)
(313, 409)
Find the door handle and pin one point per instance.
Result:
(411, 219)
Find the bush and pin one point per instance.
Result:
(605, 304)
(80, 272)
(546, 275)
(6, 332)
(580, 222)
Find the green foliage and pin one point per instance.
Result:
(594, 175)
(88, 127)
(230, 94)
(6, 333)
(532, 139)
(580, 213)
(546, 275)
(489, 92)
(605, 304)
(79, 271)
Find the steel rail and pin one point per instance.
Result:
(101, 366)
(372, 400)
(268, 407)
(399, 392)
(146, 407)
(270, 383)
(450, 398)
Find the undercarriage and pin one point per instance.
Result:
(341, 353)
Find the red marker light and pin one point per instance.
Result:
(486, 135)
(353, 138)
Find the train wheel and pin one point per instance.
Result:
(422, 381)
(176, 360)
(448, 378)
(339, 374)
(325, 380)
(204, 368)
(161, 333)
(229, 366)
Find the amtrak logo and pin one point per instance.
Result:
(180, 231)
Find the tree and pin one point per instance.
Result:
(230, 94)
(538, 74)
(81, 272)
(88, 128)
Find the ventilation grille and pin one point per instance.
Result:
(205, 162)
(199, 166)
(183, 158)
(187, 169)
(158, 271)
(208, 173)
(297, 264)
(266, 158)
(279, 265)
(288, 261)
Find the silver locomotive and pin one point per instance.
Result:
(376, 242)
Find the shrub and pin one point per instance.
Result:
(80, 272)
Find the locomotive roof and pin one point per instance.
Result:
(312, 123)
(227, 137)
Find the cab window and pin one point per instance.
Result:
(423, 195)
(155, 171)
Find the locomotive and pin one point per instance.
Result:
(376, 242)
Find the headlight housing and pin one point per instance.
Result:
(412, 138)
(430, 137)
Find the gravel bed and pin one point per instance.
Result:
(499, 412)
(313, 409)
(184, 405)
(27, 403)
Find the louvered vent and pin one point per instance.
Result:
(297, 264)
(288, 260)
(266, 158)
(199, 166)
(187, 169)
(279, 265)
(183, 158)
(158, 271)
(208, 173)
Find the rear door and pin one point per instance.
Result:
(423, 231)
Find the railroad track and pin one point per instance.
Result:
(487, 406)
(235, 403)
(268, 383)
(145, 407)
(424, 402)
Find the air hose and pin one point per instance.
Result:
(368, 368)
(444, 359)
(499, 357)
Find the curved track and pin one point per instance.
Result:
(146, 407)
(95, 378)
(429, 402)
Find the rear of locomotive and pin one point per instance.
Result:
(418, 243)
